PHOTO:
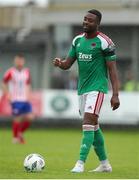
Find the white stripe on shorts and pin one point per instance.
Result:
(91, 102)
(99, 102)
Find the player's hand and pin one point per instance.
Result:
(57, 62)
(115, 103)
(6, 96)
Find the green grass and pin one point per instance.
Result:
(60, 149)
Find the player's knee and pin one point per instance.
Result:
(17, 119)
(30, 117)
(90, 118)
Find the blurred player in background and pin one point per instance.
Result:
(95, 54)
(16, 87)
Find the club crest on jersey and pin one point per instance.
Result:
(93, 44)
(85, 57)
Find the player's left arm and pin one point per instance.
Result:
(110, 58)
(29, 85)
(112, 69)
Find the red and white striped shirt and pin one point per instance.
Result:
(18, 82)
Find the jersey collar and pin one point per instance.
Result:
(92, 36)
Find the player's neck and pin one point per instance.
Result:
(91, 34)
(19, 68)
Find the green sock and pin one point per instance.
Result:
(87, 141)
(99, 145)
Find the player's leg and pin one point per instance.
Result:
(25, 124)
(89, 121)
(15, 129)
(99, 145)
(16, 107)
(27, 118)
(87, 140)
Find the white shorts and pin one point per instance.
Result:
(91, 102)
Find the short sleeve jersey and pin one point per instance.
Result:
(17, 82)
(91, 55)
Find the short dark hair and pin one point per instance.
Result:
(20, 54)
(97, 13)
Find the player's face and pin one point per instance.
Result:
(90, 23)
(19, 62)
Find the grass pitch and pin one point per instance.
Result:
(60, 149)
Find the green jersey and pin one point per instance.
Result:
(91, 55)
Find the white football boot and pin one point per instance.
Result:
(103, 168)
(15, 140)
(79, 167)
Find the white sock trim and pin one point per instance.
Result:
(96, 127)
(80, 162)
(104, 162)
(88, 127)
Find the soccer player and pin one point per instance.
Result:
(16, 87)
(95, 55)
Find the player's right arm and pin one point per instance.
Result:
(64, 64)
(71, 58)
(5, 89)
